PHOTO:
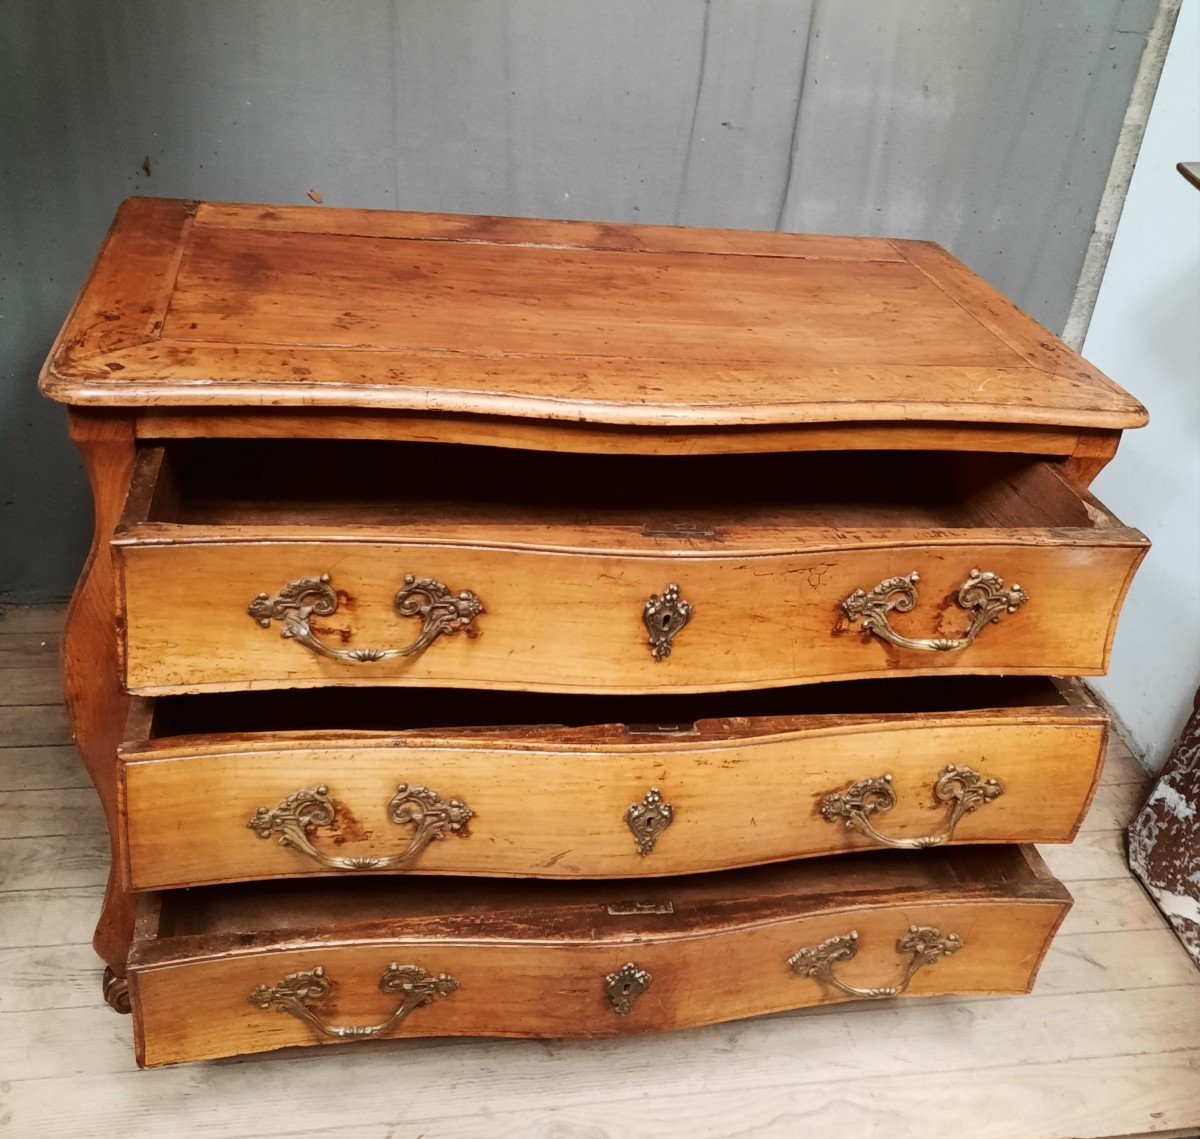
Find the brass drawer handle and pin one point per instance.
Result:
(298, 993)
(963, 789)
(304, 811)
(664, 615)
(922, 945)
(439, 610)
(983, 594)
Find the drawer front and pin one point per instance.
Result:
(252, 807)
(284, 995)
(269, 614)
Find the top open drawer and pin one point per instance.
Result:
(269, 565)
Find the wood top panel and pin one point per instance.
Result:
(309, 290)
(536, 231)
(224, 305)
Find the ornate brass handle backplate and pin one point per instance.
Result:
(983, 595)
(922, 945)
(441, 613)
(303, 811)
(298, 993)
(962, 789)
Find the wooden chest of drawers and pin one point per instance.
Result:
(491, 621)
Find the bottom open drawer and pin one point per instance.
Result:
(230, 970)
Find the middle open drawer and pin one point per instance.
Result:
(246, 786)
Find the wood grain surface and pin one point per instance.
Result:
(211, 304)
(552, 803)
(565, 555)
(95, 698)
(532, 962)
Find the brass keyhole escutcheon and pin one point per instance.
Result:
(648, 819)
(625, 986)
(664, 615)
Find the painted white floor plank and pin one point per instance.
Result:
(34, 725)
(31, 814)
(48, 917)
(1073, 1100)
(48, 978)
(1115, 805)
(1120, 766)
(64, 860)
(41, 768)
(1142, 1095)
(33, 685)
(918, 1037)
(26, 650)
(32, 619)
(1093, 855)
(1107, 904)
(1106, 962)
(931, 1047)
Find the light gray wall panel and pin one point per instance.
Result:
(987, 125)
(747, 97)
(570, 109)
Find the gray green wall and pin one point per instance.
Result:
(986, 125)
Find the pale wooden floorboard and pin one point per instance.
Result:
(34, 725)
(1108, 1044)
(31, 814)
(1114, 805)
(896, 1108)
(29, 650)
(48, 917)
(1106, 904)
(40, 685)
(41, 768)
(44, 619)
(1120, 766)
(1094, 854)
(62, 861)
(946, 1051)
(47, 978)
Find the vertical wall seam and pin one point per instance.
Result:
(393, 86)
(785, 193)
(691, 141)
(1120, 173)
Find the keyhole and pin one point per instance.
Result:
(666, 621)
(626, 988)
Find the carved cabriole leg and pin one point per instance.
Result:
(91, 678)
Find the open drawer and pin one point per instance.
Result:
(232, 787)
(239, 969)
(254, 564)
